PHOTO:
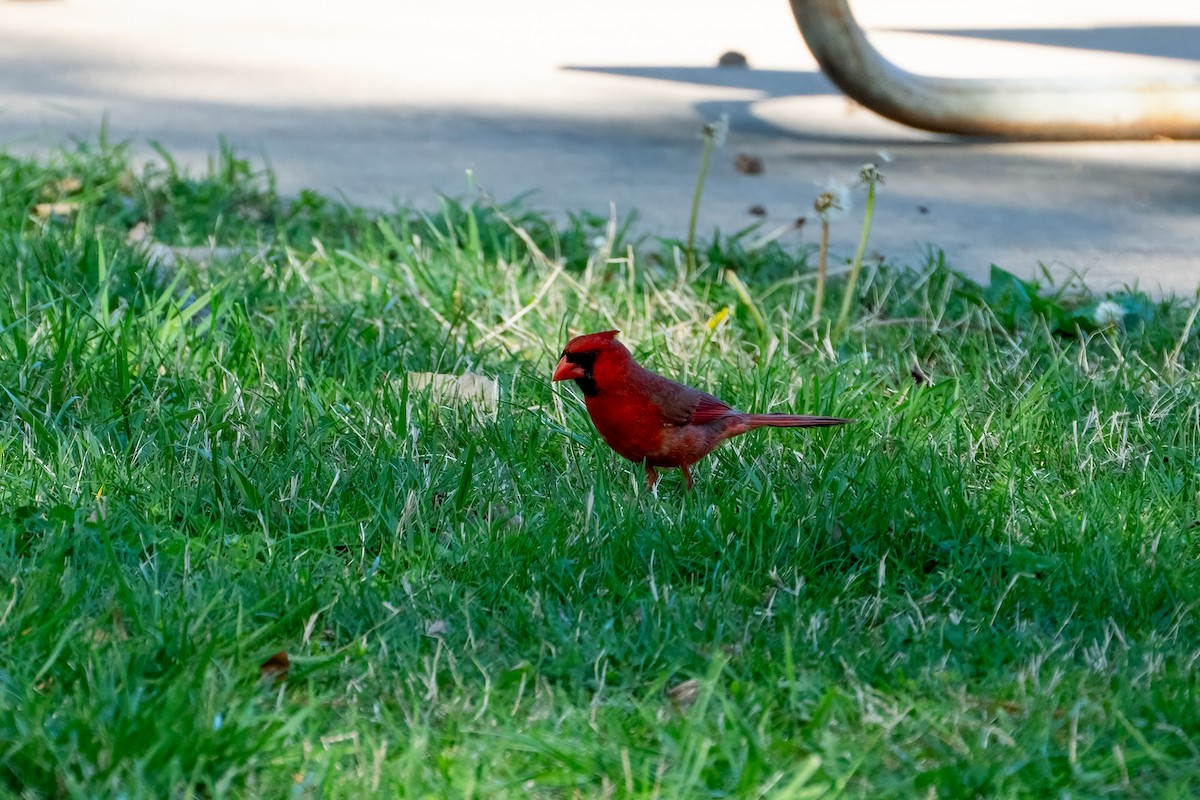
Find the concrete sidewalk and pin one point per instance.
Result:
(599, 104)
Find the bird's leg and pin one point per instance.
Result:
(651, 477)
(687, 476)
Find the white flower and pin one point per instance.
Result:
(834, 202)
(1108, 313)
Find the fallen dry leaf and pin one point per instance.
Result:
(684, 694)
(436, 627)
(748, 164)
(274, 670)
(137, 233)
(68, 185)
(163, 257)
(478, 391)
(47, 210)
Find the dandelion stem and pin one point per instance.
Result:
(705, 158)
(822, 268)
(856, 267)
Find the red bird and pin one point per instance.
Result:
(650, 419)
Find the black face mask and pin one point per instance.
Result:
(586, 362)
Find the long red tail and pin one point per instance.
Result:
(792, 421)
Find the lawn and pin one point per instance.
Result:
(986, 587)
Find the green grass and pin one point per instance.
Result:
(988, 587)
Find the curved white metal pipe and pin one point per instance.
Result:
(1052, 108)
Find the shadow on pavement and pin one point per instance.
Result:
(770, 82)
(1161, 41)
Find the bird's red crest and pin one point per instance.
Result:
(590, 342)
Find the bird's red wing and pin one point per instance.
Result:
(676, 403)
(709, 409)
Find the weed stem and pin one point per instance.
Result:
(856, 268)
(822, 268)
(705, 158)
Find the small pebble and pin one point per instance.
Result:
(732, 58)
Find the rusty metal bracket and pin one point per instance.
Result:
(1048, 109)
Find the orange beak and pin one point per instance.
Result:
(566, 371)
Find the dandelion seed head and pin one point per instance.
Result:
(834, 202)
(1108, 313)
(870, 174)
(717, 131)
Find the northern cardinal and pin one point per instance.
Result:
(650, 419)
